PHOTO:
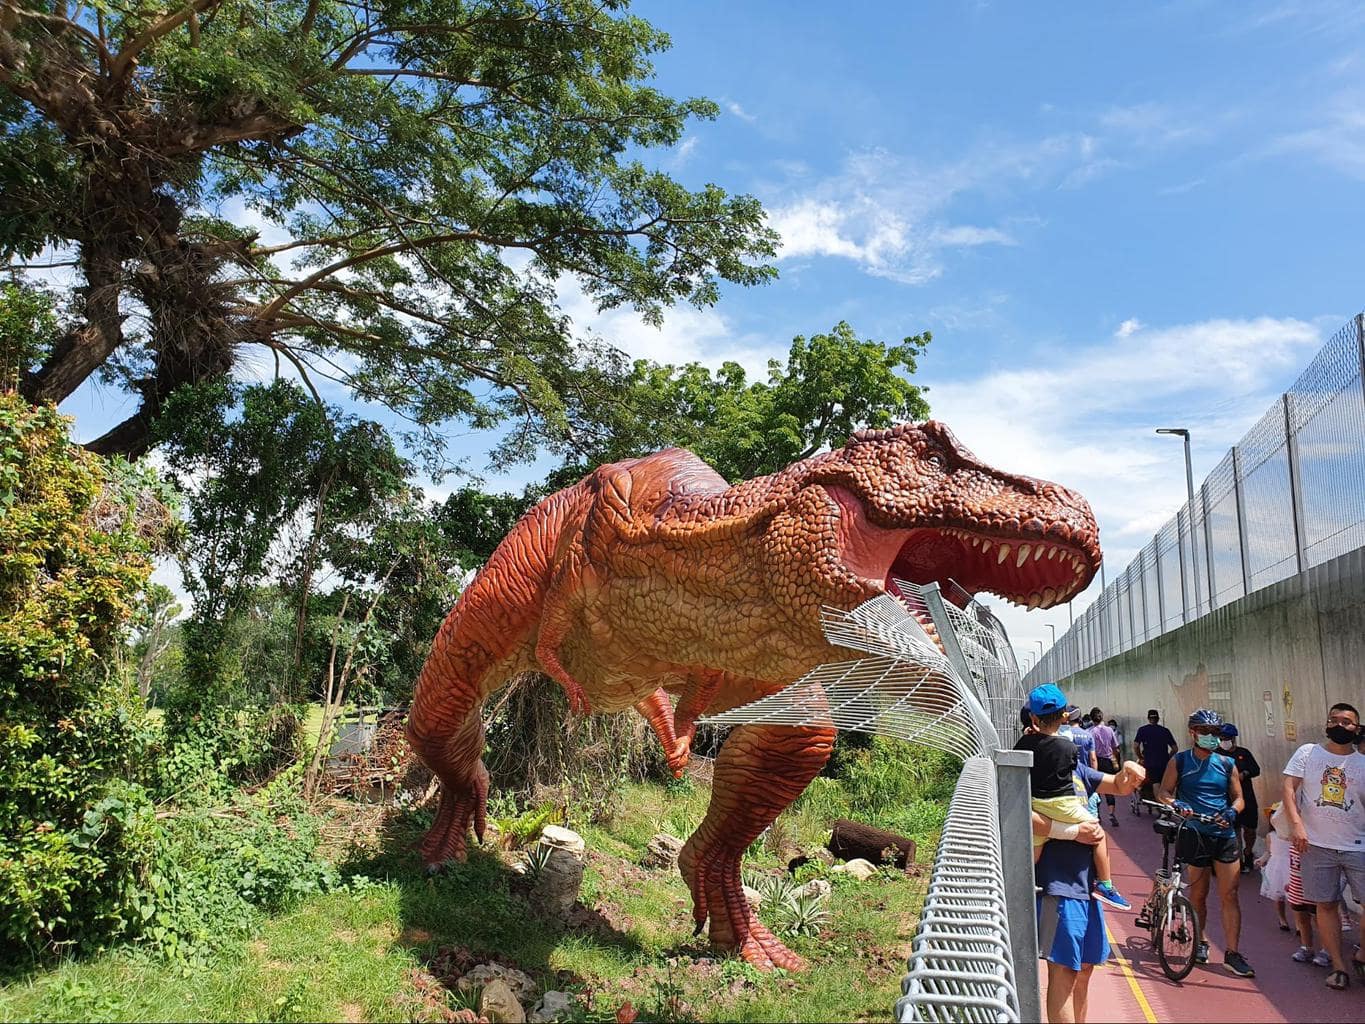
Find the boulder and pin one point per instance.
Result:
(860, 869)
(825, 857)
(497, 1004)
(662, 852)
(523, 988)
(556, 888)
(552, 1006)
(815, 887)
(754, 897)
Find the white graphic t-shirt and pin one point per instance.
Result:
(1332, 796)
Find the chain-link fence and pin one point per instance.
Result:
(1290, 496)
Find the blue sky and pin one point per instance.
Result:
(1111, 218)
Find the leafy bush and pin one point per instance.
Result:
(75, 539)
(216, 869)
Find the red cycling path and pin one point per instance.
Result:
(1131, 986)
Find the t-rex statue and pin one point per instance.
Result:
(654, 577)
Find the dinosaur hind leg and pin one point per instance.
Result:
(445, 728)
(760, 771)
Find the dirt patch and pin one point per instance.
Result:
(352, 1013)
(411, 936)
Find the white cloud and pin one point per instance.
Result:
(684, 152)
(966, 235)
(1336, 139)
(740, 112)
(1127, 328)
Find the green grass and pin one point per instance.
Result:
(368, 955)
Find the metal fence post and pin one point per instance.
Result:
(1360, 344)
(1291, 444)
(1208, 539)
(1241, 519)
(1016, 842)
(1185, 615)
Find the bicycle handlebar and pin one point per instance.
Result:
(1168, 810)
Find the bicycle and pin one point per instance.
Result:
(1168, 912)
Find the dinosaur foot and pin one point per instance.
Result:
(714, 879)
(463, 804)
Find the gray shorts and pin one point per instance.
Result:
(1321, 870)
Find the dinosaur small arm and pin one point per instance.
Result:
(654, 579)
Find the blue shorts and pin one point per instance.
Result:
(1071, 932)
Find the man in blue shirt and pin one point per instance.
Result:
(1070, 923)
(1203, 781)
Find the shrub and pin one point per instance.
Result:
(76, 534)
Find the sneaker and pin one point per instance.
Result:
(1201, 954)
(1302, 955)
(1106, 893)
(1237, 964)
(1322, 958)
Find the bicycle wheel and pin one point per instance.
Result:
(1178, 938)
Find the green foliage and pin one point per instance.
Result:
(438, 165)
(216, 869)
(75, 539)
(831, 385)
(28, 321)
(519, 831)
(803, 914)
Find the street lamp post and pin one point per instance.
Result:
(1189, 490)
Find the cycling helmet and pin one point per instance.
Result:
(1205, 716)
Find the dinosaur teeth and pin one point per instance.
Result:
(1051, 553)
(985, 544)
(1049, 595)
(1004, 553)
(1033, 602)
(1024, 552)
(1038, 552)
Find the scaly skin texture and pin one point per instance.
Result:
(654, 578)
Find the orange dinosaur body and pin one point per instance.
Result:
(654, 577)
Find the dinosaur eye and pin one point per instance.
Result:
(936, 460)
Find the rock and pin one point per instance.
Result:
(815, 887)
(497, 1004)
(522, 987)
(754, 897)
(552, 1006)
(839, 869)
(860, 869)
(556, 888)
(662, 851)
(825, 857)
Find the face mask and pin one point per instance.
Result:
(1226, 744)
(1207, 742)
(1341, 734)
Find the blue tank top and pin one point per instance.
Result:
(1205, 784)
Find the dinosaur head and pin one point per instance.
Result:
(916, 505)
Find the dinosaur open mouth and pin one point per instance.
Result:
(1031, 572)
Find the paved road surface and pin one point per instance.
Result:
(1132, 987)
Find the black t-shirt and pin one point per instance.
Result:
(1054, 761)
(1248, 769)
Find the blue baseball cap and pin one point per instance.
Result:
(1046, 699)
(1229, 731)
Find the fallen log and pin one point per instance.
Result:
(850, 839)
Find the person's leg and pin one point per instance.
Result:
(1080, 995)
(1229, 879)
(1248, 846)
(1102, 860)
(1280, 913)
(1303, 921)
(1061, 985)
(1320, 870)
(1199, 891)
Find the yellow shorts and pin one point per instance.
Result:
(1069, 809)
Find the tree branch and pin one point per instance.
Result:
(127, 56)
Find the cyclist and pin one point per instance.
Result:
(1202, 781)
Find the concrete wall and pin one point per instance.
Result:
(1272, 663)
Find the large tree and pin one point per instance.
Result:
(433, 169)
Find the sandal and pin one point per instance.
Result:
(1359, 967)
(1338, 980)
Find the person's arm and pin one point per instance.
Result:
(1094, 759)
(1172, 748)
(1253, 770)
(1235, 791)
(1128, 780)
(1166, 791)
(1289, 800)
(1087, 832)
(1289, 792)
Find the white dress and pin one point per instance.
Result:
(1275, 874)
